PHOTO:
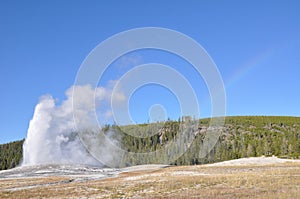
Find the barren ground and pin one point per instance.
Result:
(243, 178)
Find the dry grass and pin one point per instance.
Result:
(275, 181)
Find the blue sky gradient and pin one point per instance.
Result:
(255, 44)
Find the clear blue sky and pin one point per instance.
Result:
(255, 44)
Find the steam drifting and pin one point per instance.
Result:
(52, 136)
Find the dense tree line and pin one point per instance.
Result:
(11, 154)
(241, 136)
(251, 137)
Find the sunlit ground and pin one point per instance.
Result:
(280, 180)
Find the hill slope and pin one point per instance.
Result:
(10, 154)
(241, 136)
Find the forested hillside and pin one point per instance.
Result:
(10, 154)
(241, 136)
(251, 137)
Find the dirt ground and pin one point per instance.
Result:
(277, 179)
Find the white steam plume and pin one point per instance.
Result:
(52, 137)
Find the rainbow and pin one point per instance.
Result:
(249, 66)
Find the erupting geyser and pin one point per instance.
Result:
(52, 137)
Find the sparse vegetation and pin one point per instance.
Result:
(271, 181)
